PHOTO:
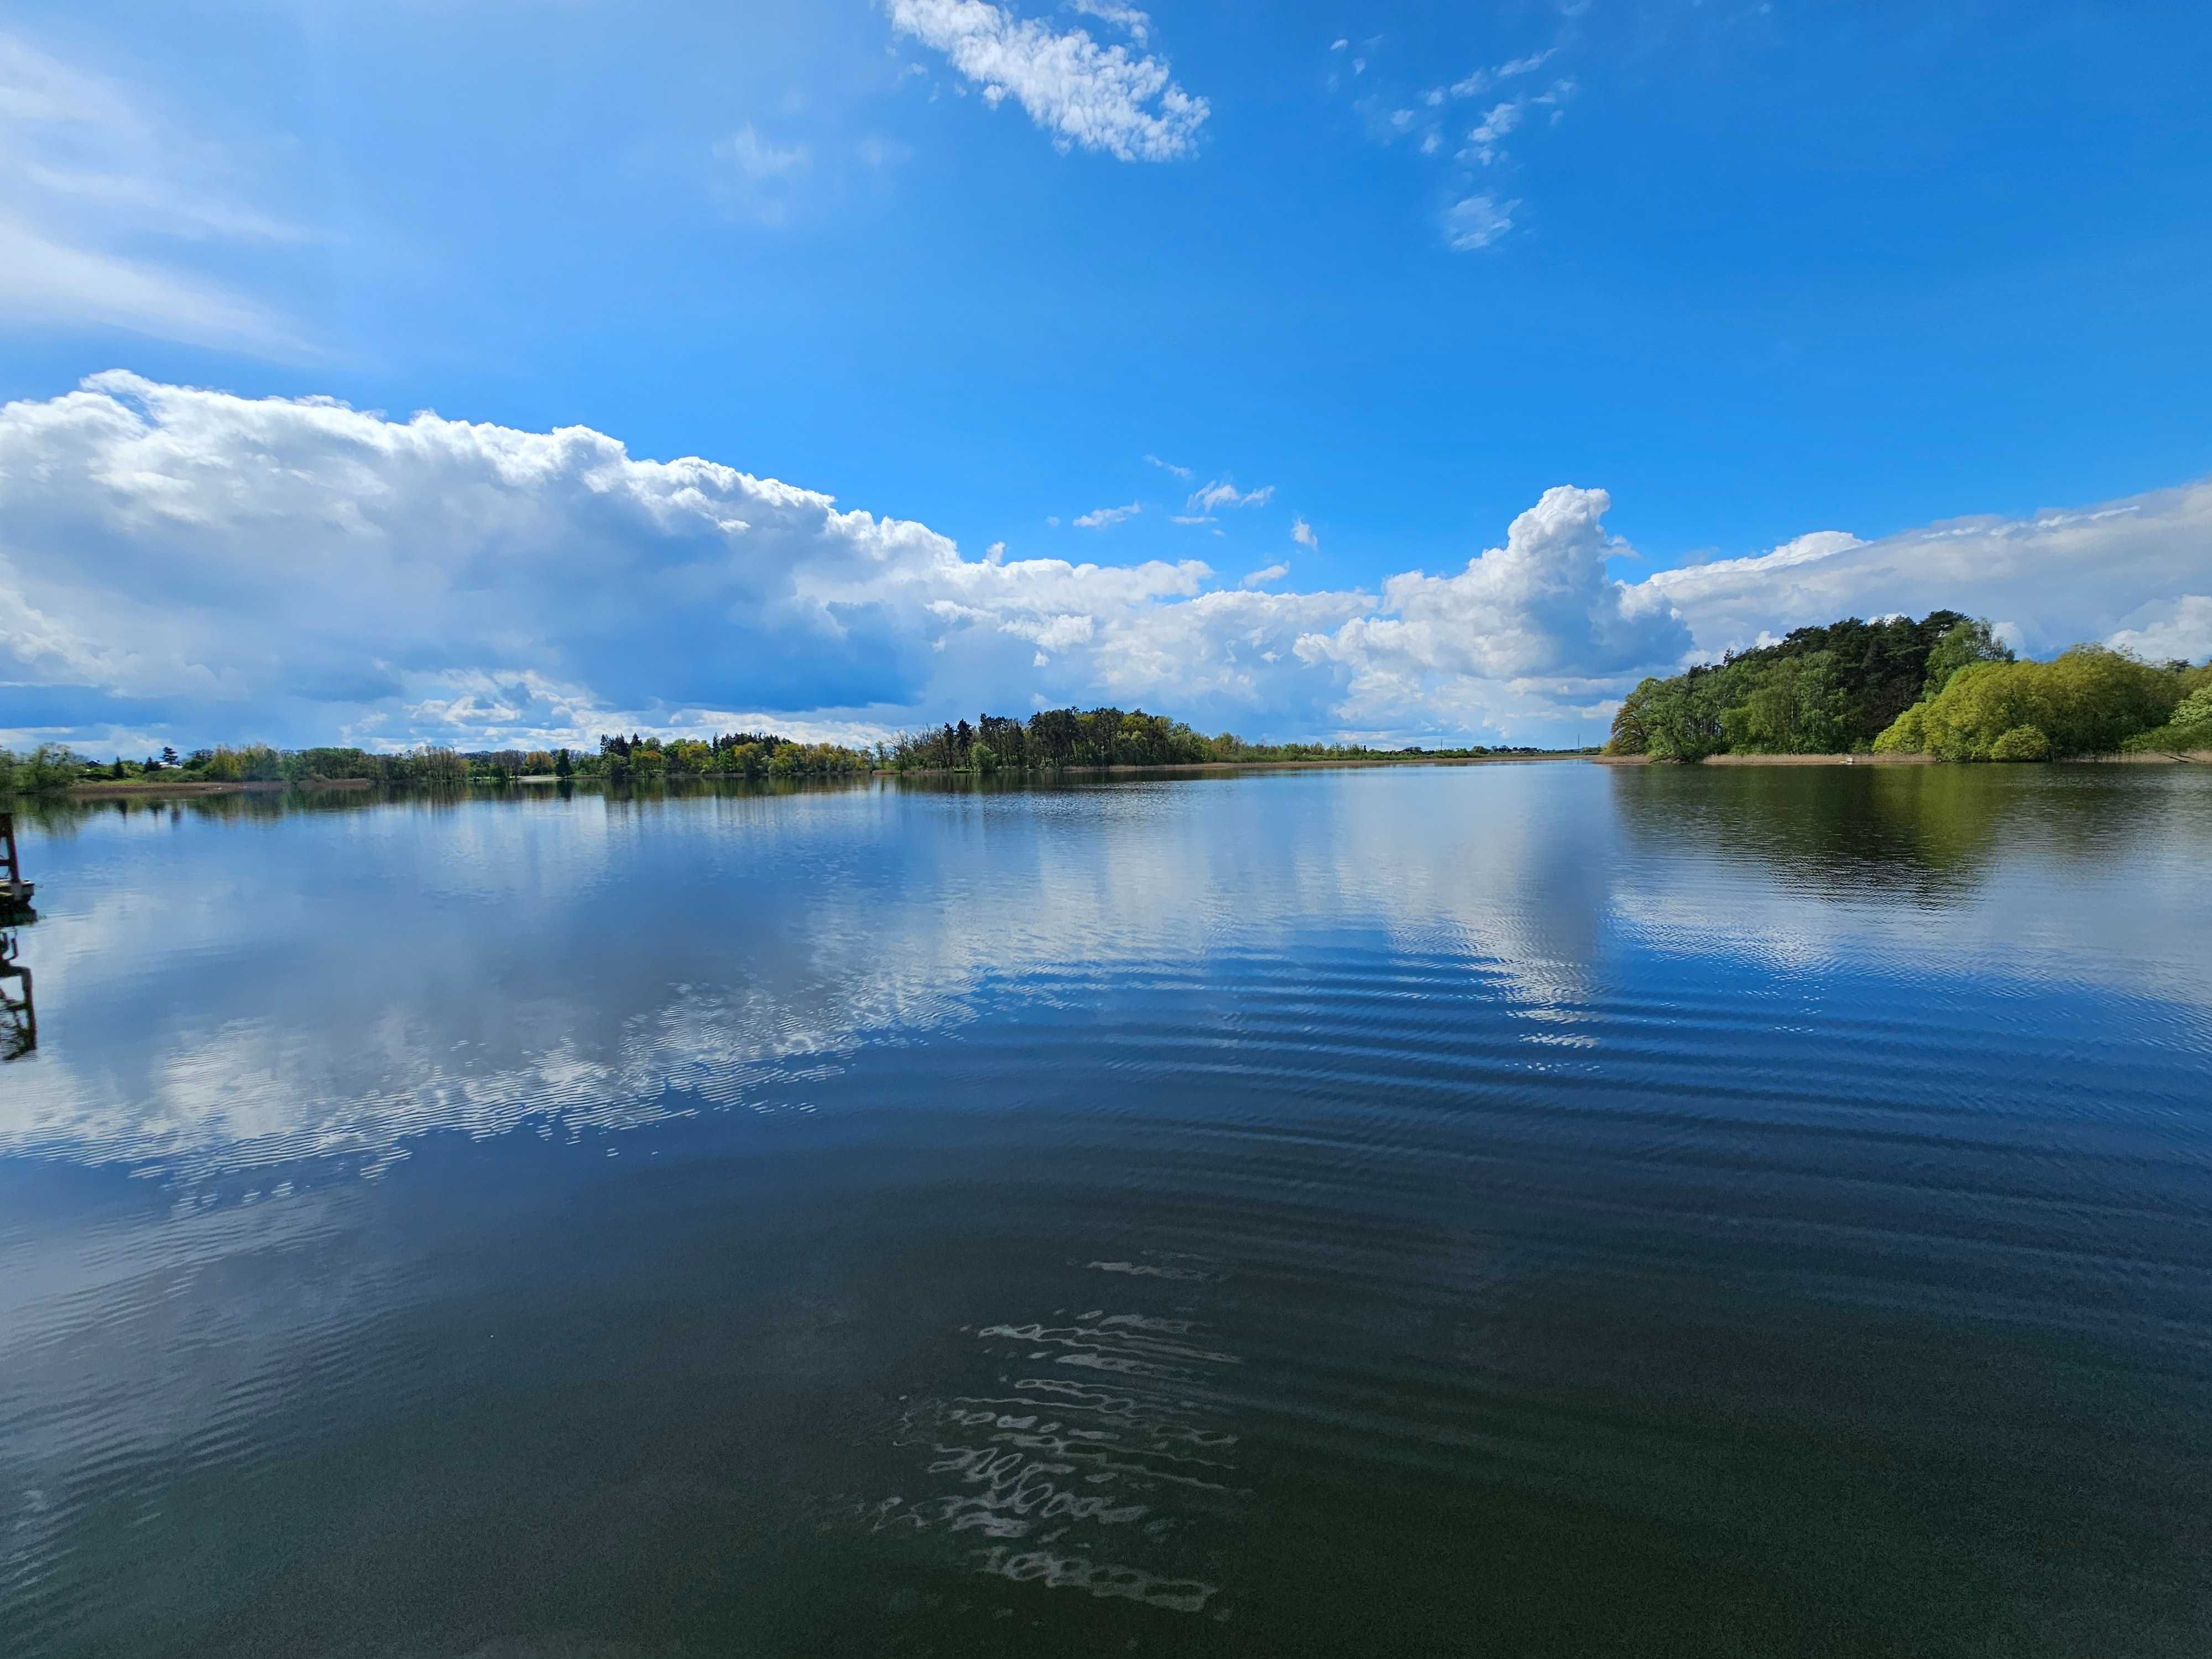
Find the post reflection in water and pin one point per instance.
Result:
(19, 1014)
(1518, 1209)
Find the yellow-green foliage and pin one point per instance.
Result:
(1907, 733)
(687, 758)
(439, 768)
(2087, 701)
(2022, 742)
(255, 763)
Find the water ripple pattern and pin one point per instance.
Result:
(1096, 1449)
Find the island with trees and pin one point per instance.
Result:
(1943, 687)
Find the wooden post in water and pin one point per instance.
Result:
(14, 890)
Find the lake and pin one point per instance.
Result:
(1509, 1209)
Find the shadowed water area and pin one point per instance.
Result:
(1536, 1209)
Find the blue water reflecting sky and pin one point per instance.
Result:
(219, 991)
(1279, 1210)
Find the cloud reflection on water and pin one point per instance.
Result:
(248, 989)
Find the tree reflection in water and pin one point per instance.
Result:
(1931, 832)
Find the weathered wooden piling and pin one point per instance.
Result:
(15, 891)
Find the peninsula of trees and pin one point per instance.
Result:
(1943, 686)
(1053, 738)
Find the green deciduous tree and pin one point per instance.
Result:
(1792, 706)
(1962, 644)
(2087, 700)
(47, 770)
(2022, 742)
(1682, 717)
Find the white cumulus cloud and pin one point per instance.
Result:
(2182, 629)
(1102, 98)
(1101, 517)
(1543, 605)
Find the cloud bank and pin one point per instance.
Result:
(185, 564)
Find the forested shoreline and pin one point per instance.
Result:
(759, 755)
(1054, 739)
(1050, 740)
(1944, 686)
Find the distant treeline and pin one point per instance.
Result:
(51, 768)
(1051, 739)
(1055, 738)
(1943, 685)
(734, 754)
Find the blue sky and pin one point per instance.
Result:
(1756, 272)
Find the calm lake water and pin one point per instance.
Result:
(1536, 1209)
